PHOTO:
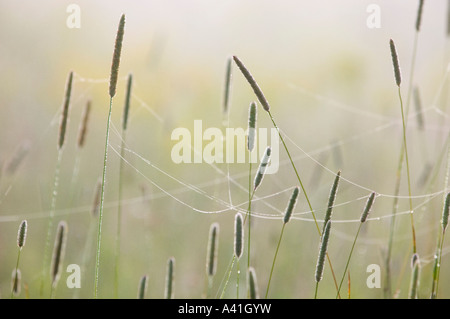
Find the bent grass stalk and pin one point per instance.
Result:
(363, 219)
(112, 92)
(119, 205)
(60, 145)
(265, 104)
(21, 239)
(287, 217)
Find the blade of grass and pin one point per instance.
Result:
(112, 92)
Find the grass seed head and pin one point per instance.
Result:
(249, 77)
(22, 234)
(368, 207)
(126, 108)
(11, 166)
(84, 124)
(445, 212)
(252, 284)
(97, 198)
(418, 105)
(213, 247)
(262, 168)
(291, 205)
(16, 282)
(419, 15)
(448, 19)
(116, 57)
(397, 73)
(251, 126)
(322, 252)
(170, 278)
(142, 287)
(65, 112)
(227, 88)
(415, 277)
(58, 252)
(238, 235)
(331, 199)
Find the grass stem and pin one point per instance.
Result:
(349, 257)
(408, 174)
(274, 259)
(119, 219)
(102, 199)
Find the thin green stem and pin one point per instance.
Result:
(274, 259)
(15, 275)
(411, 74)
(228, 277)
(296, 172)
(75, 174)
(237, 280)
(387, 286)
(438, 270)
(250, 197)
(317, 289)
(408, 174)
(86, 252)
(102, 198)
(304, 192)
(387, 289)
(209, 286)
(50, 220)
(119, 219)
(349, 257)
